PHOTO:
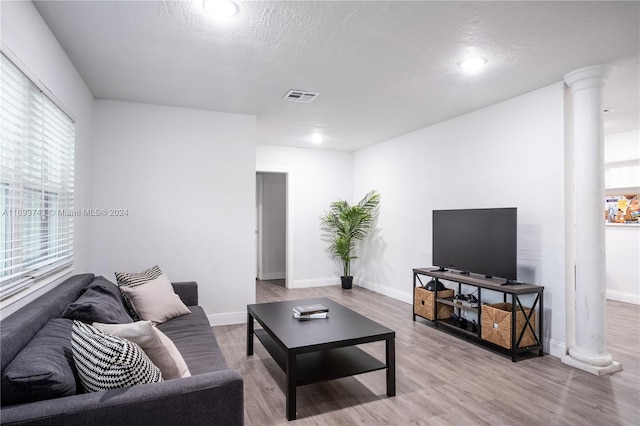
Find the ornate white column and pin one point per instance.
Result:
(590, 350)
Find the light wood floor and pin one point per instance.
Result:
(441, 379)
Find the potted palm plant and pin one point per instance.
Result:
(346, 225)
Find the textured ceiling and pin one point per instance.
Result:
(382, 68)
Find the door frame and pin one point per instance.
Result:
(288, 230)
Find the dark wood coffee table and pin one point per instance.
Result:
(316, 350)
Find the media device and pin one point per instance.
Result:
(480, 241)
(434, 285)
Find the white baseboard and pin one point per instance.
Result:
(555, 348)
(623, 297)
(387, 291)
(315, 282)
(227, 318)
(273, 276)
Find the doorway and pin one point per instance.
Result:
(271, 227)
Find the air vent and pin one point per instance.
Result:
(300, 96)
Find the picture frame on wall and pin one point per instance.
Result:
(623, 209)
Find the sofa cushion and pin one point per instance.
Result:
(158, 347)
(44, 369)
(109, 362)
(132, 279)
(194, 338)
(100, 302)
(155, 300)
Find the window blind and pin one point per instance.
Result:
(36, 183)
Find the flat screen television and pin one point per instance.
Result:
(480, 241)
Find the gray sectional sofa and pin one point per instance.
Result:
(213, 395)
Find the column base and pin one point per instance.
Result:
(593, 369)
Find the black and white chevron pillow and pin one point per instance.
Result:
(129, 279)
(109, 362)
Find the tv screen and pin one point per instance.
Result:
(480, 241)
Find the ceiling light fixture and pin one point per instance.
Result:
(473, 64)
(317, 138)
(220, 9)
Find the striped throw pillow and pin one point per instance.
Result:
(108, 362)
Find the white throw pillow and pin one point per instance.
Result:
(108, 362)
(156, 301)
(132, 279)
(158, 347)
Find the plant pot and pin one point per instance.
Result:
(347, 282)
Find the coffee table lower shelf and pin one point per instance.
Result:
(313, 367)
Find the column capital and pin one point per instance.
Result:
(589, 77)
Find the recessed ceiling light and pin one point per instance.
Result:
(473, 64)
(317, 138)
(220, 9)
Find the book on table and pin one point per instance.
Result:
(317, 315)
(311, 309)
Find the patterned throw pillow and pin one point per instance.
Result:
(108, 362)
(155, 344)
(128, 279)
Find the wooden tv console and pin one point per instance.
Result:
(533, 315)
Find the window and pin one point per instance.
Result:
(36, 183)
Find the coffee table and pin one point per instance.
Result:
(312, 351)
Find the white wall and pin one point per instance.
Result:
(315, 178)
(622, 146)
(187, 180)
(623, 269)
(622, 163)
(27, 40)
(508, 155)
(273, 228)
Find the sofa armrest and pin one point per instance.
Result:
(188, 292)
(205, 399)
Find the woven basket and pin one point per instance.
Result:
(423, 303)
(496, 325)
